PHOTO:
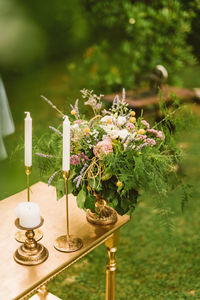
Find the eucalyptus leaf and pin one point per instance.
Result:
(70, 186)
(81, 198)
(90, 202)
(60, 188)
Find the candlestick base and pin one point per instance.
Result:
(31, 257)
(68, 243)
(30, 253)
(20, 236)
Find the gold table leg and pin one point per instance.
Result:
(111, 245)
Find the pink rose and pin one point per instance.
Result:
(103, 148)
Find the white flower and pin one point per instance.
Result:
(121, 121)
(114, 134)
(107, 119)
(74, 127)
(123, 133)
(107, 127)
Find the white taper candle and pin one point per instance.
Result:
(66, 144)
(28, 140)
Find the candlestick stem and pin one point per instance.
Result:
(28, 172)
(66, 176)
(67, 243)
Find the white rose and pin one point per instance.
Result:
(121, 121)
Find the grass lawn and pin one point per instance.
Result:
(150, 264)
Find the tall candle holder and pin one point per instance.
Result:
(67, 243)
(19, 235)
(30, 253)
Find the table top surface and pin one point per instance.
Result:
(17, 281)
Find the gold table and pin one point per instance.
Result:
(18, 281)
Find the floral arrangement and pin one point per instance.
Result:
(115, 154)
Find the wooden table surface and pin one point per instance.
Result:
(17, 281)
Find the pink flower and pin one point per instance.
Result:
(141, 137)
(145, 123)
(74, 160)
(103, 148)
(84, 156)
(159, 134)
(131, 127)
(78, 121)
(152, 142)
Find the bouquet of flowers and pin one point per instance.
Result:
(114, 155)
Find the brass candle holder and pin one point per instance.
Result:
(30, 253)
(19, 235)
(67, 243)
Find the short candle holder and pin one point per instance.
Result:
(19, 235)
(30, 253)
(67, 243)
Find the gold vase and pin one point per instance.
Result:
(104, 215)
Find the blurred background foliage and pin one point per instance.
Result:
(109, 43)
